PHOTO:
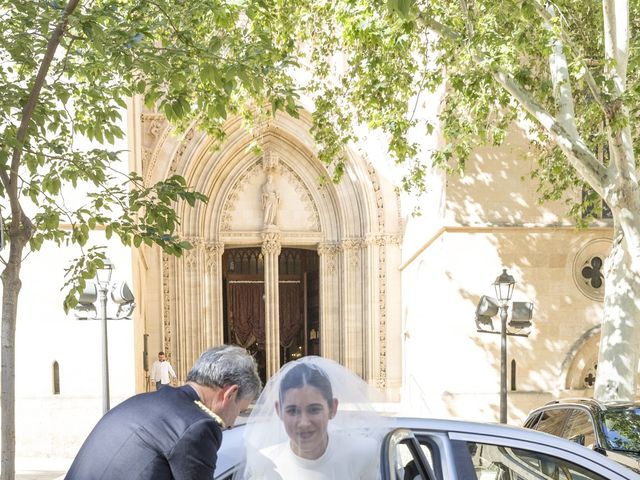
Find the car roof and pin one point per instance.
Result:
(590, 403)
(491, 429)
(232, 452)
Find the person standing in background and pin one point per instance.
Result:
(162, 371)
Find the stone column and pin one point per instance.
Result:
(270, 252)
(375, 317)
(213, 305)
(351, 304)
(329, 301)
(391, 307)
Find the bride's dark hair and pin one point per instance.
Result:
(305, 374)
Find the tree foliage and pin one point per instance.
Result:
(191, 60)
(66, 70)
(570, 70)
(396, 50)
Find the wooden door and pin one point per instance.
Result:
(244, 309)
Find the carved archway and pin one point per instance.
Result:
(354, 227)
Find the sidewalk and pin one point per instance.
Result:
(41, 468)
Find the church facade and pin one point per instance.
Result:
(287, 265)
(282, 264)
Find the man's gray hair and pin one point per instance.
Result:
(227, 365)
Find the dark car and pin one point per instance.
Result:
(612, 429)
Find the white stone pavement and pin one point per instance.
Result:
(42, 468)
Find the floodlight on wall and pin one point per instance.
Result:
(123, 297)
(86, 309)
(487, 308)
(521, 315)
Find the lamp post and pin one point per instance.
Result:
(521, 314)
(504, 290)
(103, 277)
(86, 310)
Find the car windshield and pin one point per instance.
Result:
(622, 429)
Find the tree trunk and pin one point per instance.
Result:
(20, 232)
(616, 378)
(11, 285)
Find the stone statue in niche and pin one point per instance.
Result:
(270, 201)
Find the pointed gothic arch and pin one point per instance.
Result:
(354, 227)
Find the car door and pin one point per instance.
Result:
(501, 458)
(403, 457)
(459, 455)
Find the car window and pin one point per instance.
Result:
(406, 459)
(552, 421)
(406, 463)
(494, 462)
(533, 421)
(622, 429)
(579, 429)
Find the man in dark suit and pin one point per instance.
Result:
(174, 433)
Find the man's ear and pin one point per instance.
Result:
(333, 408)
(229, 392)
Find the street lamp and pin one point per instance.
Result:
(521, 315)
(121, 295)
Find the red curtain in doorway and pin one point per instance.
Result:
(246, 313)
(291, 316)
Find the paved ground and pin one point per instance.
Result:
(41, 469)
(33, 475)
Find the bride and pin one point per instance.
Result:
(315, 420)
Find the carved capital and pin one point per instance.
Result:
(271, 243)
(328, 248)
(213, 251)
(377, 240)
(328, 252)
(381, 240)
(351, 248)
(351, 245)
(214, 248)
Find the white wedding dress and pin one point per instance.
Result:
(347, 457)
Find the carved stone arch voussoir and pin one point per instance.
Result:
(301, 188)
(155, 131)
(379, 198)
(230, 204)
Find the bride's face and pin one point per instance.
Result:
(306, 414)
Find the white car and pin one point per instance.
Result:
(419, 448)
